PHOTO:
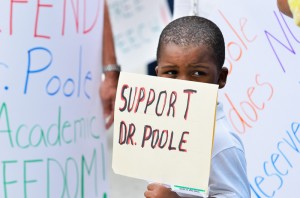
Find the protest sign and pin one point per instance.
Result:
(164, 129)
(52, 136)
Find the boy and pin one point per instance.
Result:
(192, 48)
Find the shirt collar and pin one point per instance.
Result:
(219, 112)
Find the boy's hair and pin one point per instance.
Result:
(194, 31)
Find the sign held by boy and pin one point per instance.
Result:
(164, 133)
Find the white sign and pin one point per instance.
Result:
(261, 97)
(52, 141)
(164, 133)
(136, 26)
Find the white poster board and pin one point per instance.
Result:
(52, 141)
(136, 26)
(164, 133)
(261, 97)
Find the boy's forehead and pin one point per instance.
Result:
(186, 53)
(171, 48)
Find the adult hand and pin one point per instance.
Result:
(156, 190)
(108, 91)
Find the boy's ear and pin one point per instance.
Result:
(223, 77)
(156, 70)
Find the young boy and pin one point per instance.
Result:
(192, 48)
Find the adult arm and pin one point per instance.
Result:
(108, 87)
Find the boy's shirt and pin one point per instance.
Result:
(228, 176)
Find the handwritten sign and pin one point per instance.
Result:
(163, 130)
(261, 98)
(136, 27)
(51, 126)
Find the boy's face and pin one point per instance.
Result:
(193, 63)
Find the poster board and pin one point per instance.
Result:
(52, 141)
(261, 97)
(136, 26)
(164, 133)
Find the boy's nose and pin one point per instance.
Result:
(182, 77)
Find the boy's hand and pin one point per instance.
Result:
(156, 190)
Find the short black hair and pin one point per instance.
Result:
(194, 31)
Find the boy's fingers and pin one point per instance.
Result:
(147, 194)
(152, 186)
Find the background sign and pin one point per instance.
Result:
(261, 98)
(136, 26)
(164, 134)
(51, 126)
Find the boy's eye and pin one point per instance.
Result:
(198, 73)
(171, 72)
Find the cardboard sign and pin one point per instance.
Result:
(163, 130)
